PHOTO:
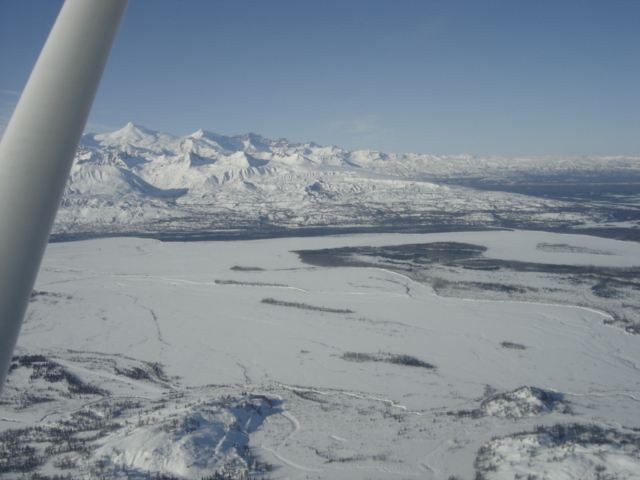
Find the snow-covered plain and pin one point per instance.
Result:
(344, 373)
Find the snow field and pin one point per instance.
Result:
(186, 306)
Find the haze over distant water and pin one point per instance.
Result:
(484, 78)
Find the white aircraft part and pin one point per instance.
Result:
(37, 150)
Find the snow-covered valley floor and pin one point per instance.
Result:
(193, 360)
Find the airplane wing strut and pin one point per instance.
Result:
(38, 147)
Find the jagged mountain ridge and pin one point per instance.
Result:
(210, 147)
(136, 180)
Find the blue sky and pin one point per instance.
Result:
(483, 77)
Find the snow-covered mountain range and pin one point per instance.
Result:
(139, 181)
(410, 354)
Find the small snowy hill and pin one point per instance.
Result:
(523, 402)
(208, 182)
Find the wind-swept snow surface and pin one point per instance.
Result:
(187, 359)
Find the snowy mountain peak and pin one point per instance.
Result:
(133, 126)
(219, 143)
(133, 131)
(138, 137)
(204, 134)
